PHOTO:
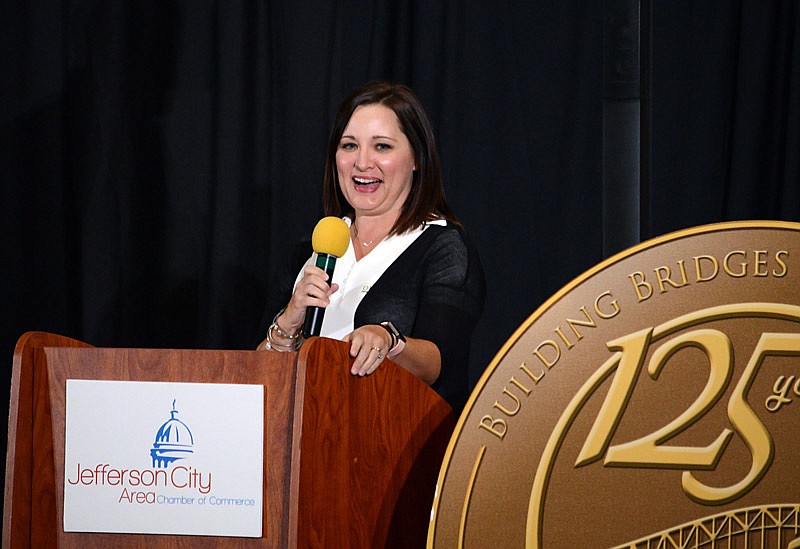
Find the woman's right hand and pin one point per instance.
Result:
(311, 291)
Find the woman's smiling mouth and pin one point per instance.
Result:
(367, 184)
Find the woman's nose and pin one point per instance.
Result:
(363, 159)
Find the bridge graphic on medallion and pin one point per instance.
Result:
(760, 527)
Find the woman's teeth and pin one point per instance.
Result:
(365, 181)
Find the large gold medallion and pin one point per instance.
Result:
(649, 403)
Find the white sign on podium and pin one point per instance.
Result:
(164, 458)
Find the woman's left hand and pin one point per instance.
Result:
(368, 345)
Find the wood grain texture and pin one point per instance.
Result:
(368, 478)
(29, 455)
(275, 371)
(349, 462)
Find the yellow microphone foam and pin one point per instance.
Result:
(331, 236)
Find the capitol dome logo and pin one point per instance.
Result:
(173, 441)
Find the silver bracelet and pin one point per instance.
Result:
(296, 341)
(283, 334)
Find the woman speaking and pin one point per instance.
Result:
(409, 285)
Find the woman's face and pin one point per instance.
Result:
(375, 162)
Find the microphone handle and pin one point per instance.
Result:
(314, 315)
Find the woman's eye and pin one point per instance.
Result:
(348, 146)
(383, 146)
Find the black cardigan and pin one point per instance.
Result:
(434, 290)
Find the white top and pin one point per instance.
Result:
(355, 278)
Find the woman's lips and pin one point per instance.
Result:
(367, 184)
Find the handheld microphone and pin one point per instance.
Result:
(330, 240)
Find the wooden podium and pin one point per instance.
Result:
(349, 462)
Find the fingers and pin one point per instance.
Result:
(368, 361)
(368, 346)
(312, 290)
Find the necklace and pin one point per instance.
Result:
(365, 244)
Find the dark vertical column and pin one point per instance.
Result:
(625, 122)
(646, 133)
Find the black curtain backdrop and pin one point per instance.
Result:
(159, 159)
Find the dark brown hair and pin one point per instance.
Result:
(426, 200)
